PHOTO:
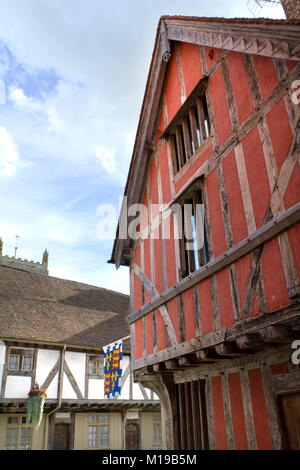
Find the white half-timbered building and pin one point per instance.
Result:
(51, 333)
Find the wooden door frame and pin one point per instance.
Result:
(67, 427)
(53, 421)
(285, 384)
(136, 422)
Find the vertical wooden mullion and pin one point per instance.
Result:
(187, 139)
(193, 123)
(191, 261)
(189, 253)
(189, 419)
(210, 414)
(174, 154)
(179, 144)
(208, 234)
(178, 423)
(203, 414)
(200, 251)
(182, 328)
(196, 416)
(182, 416)
(182, 252)
(201, 118)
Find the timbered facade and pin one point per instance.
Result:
(213, 326)
(51, 333)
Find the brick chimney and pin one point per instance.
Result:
(291, 8)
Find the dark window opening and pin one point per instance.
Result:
(189, 133)
(193, 241)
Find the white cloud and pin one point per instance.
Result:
(19, 98)
(73, 105)
(9, 156)
(107, 158)
(68, 120)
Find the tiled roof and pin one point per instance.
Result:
(36, 307)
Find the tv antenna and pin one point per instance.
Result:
(16, 247)
(255, 6)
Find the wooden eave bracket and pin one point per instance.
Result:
(243, 340)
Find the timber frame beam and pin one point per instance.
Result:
(268, 231)
(243, 340)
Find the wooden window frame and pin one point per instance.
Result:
(190, 127)
(188, 262)
(21, 353)
(98, 359)
(156, 419)
(19, 425)
(22, 366)
(12, 369)
(98, 426)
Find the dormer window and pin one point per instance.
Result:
(189, 128)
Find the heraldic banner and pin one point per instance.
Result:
(112, 369)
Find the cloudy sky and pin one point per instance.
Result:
(72, 79)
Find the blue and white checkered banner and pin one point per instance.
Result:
(113, 369)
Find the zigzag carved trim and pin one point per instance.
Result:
(285, 49)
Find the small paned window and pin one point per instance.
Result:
(98, 431)
(14, 362)
(27, 362)
(96, 366)
(20, 360)
(18, 436)
(156, 429)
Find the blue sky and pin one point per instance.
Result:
(74, 74)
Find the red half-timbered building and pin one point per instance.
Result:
(212, 328)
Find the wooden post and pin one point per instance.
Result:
(196, 413)
(182, 417)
